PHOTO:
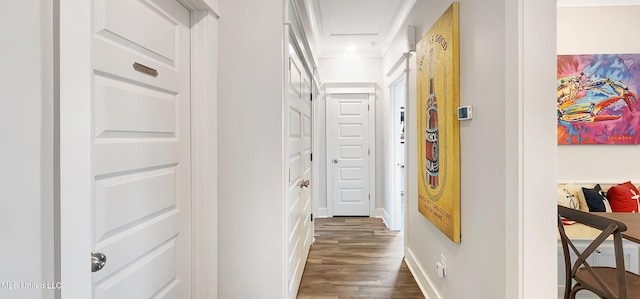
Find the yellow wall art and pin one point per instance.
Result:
(438, 128)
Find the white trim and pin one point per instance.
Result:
(402, 59)
(372, 154)
(75, 113)
(315, 150)
(347, 89)
(204, 139)
(300, 37)
(75, 168)
(382, 214)
(49, 152)
(328, 167)
(593, 3)
(400, 16)
(422, 279)
(514, 257)
(396, 204)
(351, 88)
(595, 181)
(322, 213)
(200, 6)
(284, 143)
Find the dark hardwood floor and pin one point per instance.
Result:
(356, 257)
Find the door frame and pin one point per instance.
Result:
(396, 204)
(359, 88)
(400, 69)
(72, 76)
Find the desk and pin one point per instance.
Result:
(631, 220)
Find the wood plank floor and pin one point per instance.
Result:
(356, 257)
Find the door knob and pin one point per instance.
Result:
(97, 261)
(304, 183)
(335, 161)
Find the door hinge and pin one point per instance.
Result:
(311, 156)
(369, 152)
(368, 107)
(369, 195)
(311, 217)
(289, 175)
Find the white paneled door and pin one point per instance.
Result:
(350, 154)
(299, 203)
(140, 149)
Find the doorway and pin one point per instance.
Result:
(397, 90)
(350, 154)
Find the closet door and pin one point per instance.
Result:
(298, 149)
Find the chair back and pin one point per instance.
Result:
(608, 227)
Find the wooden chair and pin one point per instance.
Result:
(606, 282)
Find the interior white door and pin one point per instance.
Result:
(299, 200)
(141, 149)
(350, 154)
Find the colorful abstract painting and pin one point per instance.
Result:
(597, 99)
(438, 145)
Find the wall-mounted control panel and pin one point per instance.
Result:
(465, 112)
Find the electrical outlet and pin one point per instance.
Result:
(443, 261)
(440, 269)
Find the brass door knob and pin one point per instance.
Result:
(304, 183)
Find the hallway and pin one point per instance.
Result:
(356, 257)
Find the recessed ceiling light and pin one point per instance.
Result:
(350, 47)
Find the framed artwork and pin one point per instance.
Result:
(438, 128)
(596, 100)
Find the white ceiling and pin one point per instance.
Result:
(370, 25)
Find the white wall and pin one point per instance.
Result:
(597, 163)
(250, 149)
(26, 131)
(507, 155)
(350, 70)
(213, 4)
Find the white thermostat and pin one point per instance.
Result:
(464, 112)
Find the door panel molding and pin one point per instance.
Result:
(332, 89)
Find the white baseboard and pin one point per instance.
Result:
(383, 221)
(382, 213)
(322, 213)
(386, 217)
(422, 279)
(378, 213)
